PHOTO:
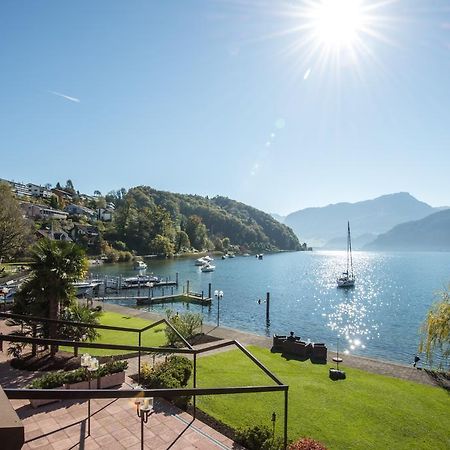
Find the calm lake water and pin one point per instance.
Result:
(380, 317)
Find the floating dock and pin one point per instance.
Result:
(173, 298)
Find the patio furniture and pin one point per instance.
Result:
(277, 342)
(319, 353)
(297, 348)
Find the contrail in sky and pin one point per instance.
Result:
(72, 99)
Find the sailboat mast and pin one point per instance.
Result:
(349, 249)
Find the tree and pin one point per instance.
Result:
(97, 193)
(15, 231)
(182, 241)
(69, 186)
(162, 245)
(53, 202)
(56, 265)
(435, 330)
(196, 230)
(80, 313)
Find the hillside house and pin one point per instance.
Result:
(34, 211)
(77, 210)
(39, 191)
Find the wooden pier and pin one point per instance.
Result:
(172, 298)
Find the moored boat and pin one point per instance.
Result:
(208, 268)
(347, 279)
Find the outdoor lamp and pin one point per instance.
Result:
(218, 295)
(85, 360)
(143, 410)
(93, 366)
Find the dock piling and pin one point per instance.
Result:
(268, 307)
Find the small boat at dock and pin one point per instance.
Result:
(208, 268)
(139, 281)
(83, 288)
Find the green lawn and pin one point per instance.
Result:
(366, 411)
(155, 337)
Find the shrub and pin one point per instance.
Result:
(306, 444)
(48, 381)
(258, 438)
(75, 376)
(171, 374)
(111, 367)
(187, 324)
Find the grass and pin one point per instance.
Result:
(366, 411)
(155, 337)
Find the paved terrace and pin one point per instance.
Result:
(114, 424)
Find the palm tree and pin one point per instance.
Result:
(55, 265)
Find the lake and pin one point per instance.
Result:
(380, 317)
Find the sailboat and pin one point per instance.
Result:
(347, 278)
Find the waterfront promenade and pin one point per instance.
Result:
(359, 362)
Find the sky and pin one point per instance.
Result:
(279, 104)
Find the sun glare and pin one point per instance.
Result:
(337, 23)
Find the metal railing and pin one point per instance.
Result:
(170, 393)
(139, 349)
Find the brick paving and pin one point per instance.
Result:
(114, 425)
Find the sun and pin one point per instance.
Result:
(337, 23)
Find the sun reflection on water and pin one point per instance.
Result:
(350, 313)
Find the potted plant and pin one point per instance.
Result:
(111, 374)
(76, 379)
(51, 380)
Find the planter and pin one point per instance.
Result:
(111, 380)
(81, 385)
(35, 403)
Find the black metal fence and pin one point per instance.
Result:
(170, 393)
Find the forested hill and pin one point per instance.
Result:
(152, 221)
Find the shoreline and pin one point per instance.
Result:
(372, 365)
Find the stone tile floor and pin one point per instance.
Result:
(114, 425)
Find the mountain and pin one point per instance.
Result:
(320, 225)
(148, 220)
(429, 234)
(276, 216)
(358, 242)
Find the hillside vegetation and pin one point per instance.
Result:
(152, 221)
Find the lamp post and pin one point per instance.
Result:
(218, 295)
(143, 410)
(274, 419)
(90, 365)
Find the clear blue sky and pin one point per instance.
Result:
(226, 97)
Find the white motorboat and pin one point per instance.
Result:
(139, 281)
(83, 288)
(208, 268)
(347, 279)
(200, 261)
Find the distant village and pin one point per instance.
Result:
(63, 214)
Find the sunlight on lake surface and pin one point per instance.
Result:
(379, 317)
